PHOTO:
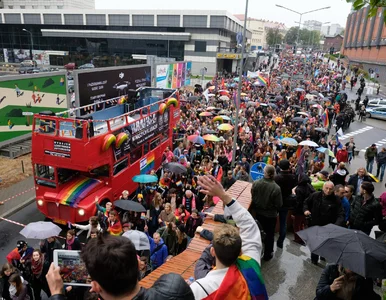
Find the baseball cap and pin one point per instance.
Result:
(20, 244)
(284, 164)
(373, 145)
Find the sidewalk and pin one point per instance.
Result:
(16, 196)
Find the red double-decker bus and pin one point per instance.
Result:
(78, 157)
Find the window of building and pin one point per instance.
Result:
(200, 46)
(22, 6)
(10, 6)
(60, 6)
(34, 6)
(47, 6)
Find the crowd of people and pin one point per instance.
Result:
(276, 113)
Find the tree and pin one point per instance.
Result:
(273, 37)
(373, 6)
(290, 37)
(306, 37)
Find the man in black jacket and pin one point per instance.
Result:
(287, 181)
(324, 208)
(228, 181)
(112, 263)
(366, 211)
(357, 179)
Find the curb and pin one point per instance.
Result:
(15, 209)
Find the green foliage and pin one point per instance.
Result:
(274, 37)
(373, 6)
(306, 37)
(290, 37)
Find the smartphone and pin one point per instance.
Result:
(72, 269)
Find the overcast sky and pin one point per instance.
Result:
(260, 9)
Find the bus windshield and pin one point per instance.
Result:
(65, 175)
(45, 175)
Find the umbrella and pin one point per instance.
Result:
(312, 102)
(318, 106)
(225, 127)
(210, 108)
(320, 129)
(272, 100)
(302, 113)
(309, 143)
(211, 95)
(210, 131)
(272, 105)
(205, 114)
(243, 94)
(296, 106)
(225, 118)
(373, 178)
(223, 112)
(176, 168)
(129, 205)
(224, 98)
(299, 90)
(196, 139)
(40, 230)
(252, 103)
(236, 79)
(145, 178)
(211, 87)
(350, 248)
(314, 93)
(325, 151)
(139, 239)
(289, 141)
(310, 97)
(192, 98)
(211, 138)
(262, 104)
(279, 98)
(298, 119)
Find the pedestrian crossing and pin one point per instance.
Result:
(359, 131)
(380, 144)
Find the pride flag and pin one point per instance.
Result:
(242, 281)
(298, 152)
(326, 122)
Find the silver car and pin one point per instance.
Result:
(376, 113)
(375, 103)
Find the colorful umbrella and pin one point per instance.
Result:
(196, 139)
(225, 127)
(224, 98)
(205, 114)
(225, 118)
(289, 141)
(211, 138)
(325, 151)
(145, 178)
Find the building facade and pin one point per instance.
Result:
(335, 42)
(47, 4)
(207, 38)
(313, 25)
(331, 30)
(365, 41)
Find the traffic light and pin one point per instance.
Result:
(332, 50)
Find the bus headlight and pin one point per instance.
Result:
(40, 202)
(81, 212)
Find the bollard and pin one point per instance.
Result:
(22, 166)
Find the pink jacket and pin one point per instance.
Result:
(383, 203)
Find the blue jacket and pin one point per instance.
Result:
(158, 257)
(346, 207)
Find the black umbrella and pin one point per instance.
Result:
(175, 168)
(320, 129)
(297, 119)
(192, 98)
(350, 248)
(274, 106)
(296, 106)
(272, 100)
(279, 98)
(129, 205)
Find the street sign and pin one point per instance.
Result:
(257, 171)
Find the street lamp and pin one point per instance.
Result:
(32, 42)
(301, 15)
(238, 100)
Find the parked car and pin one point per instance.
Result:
(375, 102)
(26, 70)
(376, 113)
(87, 66)
(70, 66)
(28, 63)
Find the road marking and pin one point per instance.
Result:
(379, 143)
(15, 196)
(359, 131)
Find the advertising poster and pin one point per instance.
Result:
(174, 75)
(21, 98)
(96, 86)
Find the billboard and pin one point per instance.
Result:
(107, 83)
(24, 95)
(174, 75)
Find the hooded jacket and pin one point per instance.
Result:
(303, 191)
(381, 158)
(365, 216)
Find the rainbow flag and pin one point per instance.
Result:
(267, 160)
(298, 152)
(262, 80)
(243, 281)
(77, 191)
(115, 229)
(326, 122)
(146, 168)
(179, 183)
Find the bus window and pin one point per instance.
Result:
(165, 136)
(146, 148)
(120, 166)
(45, 126)
(135, 154)
(155, 143)
(65, 175)
(67, 129)
(45, 175)
(101, 171)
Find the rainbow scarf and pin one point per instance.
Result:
(77, 191)
(116, 229)
(267, 160)
(243, 281)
